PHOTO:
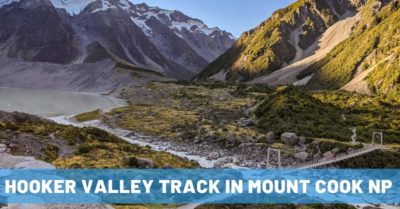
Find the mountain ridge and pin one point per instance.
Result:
(89, 31)
(270, 46)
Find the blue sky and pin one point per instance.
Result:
(235, 16)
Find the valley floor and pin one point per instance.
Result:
(221, 123)
(210, 125)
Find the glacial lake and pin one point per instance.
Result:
(50, 103)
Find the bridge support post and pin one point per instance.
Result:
(269, 158)
(279, 159)
(377, 136)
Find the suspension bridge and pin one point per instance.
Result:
(367, 148)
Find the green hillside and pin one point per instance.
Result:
(268, 47)
(327, 114)
(291, 110)
(375, 42)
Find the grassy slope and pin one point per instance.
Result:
(328, 114)
(290, 110)
(386, 80)
(88, 116)
(266, 48)
(178, 111)
(375, 38)
(375, 160)
(366, 113)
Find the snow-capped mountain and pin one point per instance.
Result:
(90, 31)
(193, 31)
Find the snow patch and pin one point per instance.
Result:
(105, 5)
(140, 14)
(142, 24)
(151, 14)
(167, 12)
(141, 8)
(72, 7)
(7, 2)
(196, 25)
(200, 27)
(124, 4)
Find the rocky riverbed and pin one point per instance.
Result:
(208, 155)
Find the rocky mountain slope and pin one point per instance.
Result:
(325, 43)
(70, 32)
(367, 62)
(288, 36)
(347, 45)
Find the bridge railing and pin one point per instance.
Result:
(337, 158)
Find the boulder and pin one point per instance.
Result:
(270, 137)
(235, 160)
(136, 162)
(289, 138)
(145, 163)
(213, 156)
(243, 122)
(218, 164)
(301, 156)
(3, 148)
(328, 154)
(231, 138)
(317, 156)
